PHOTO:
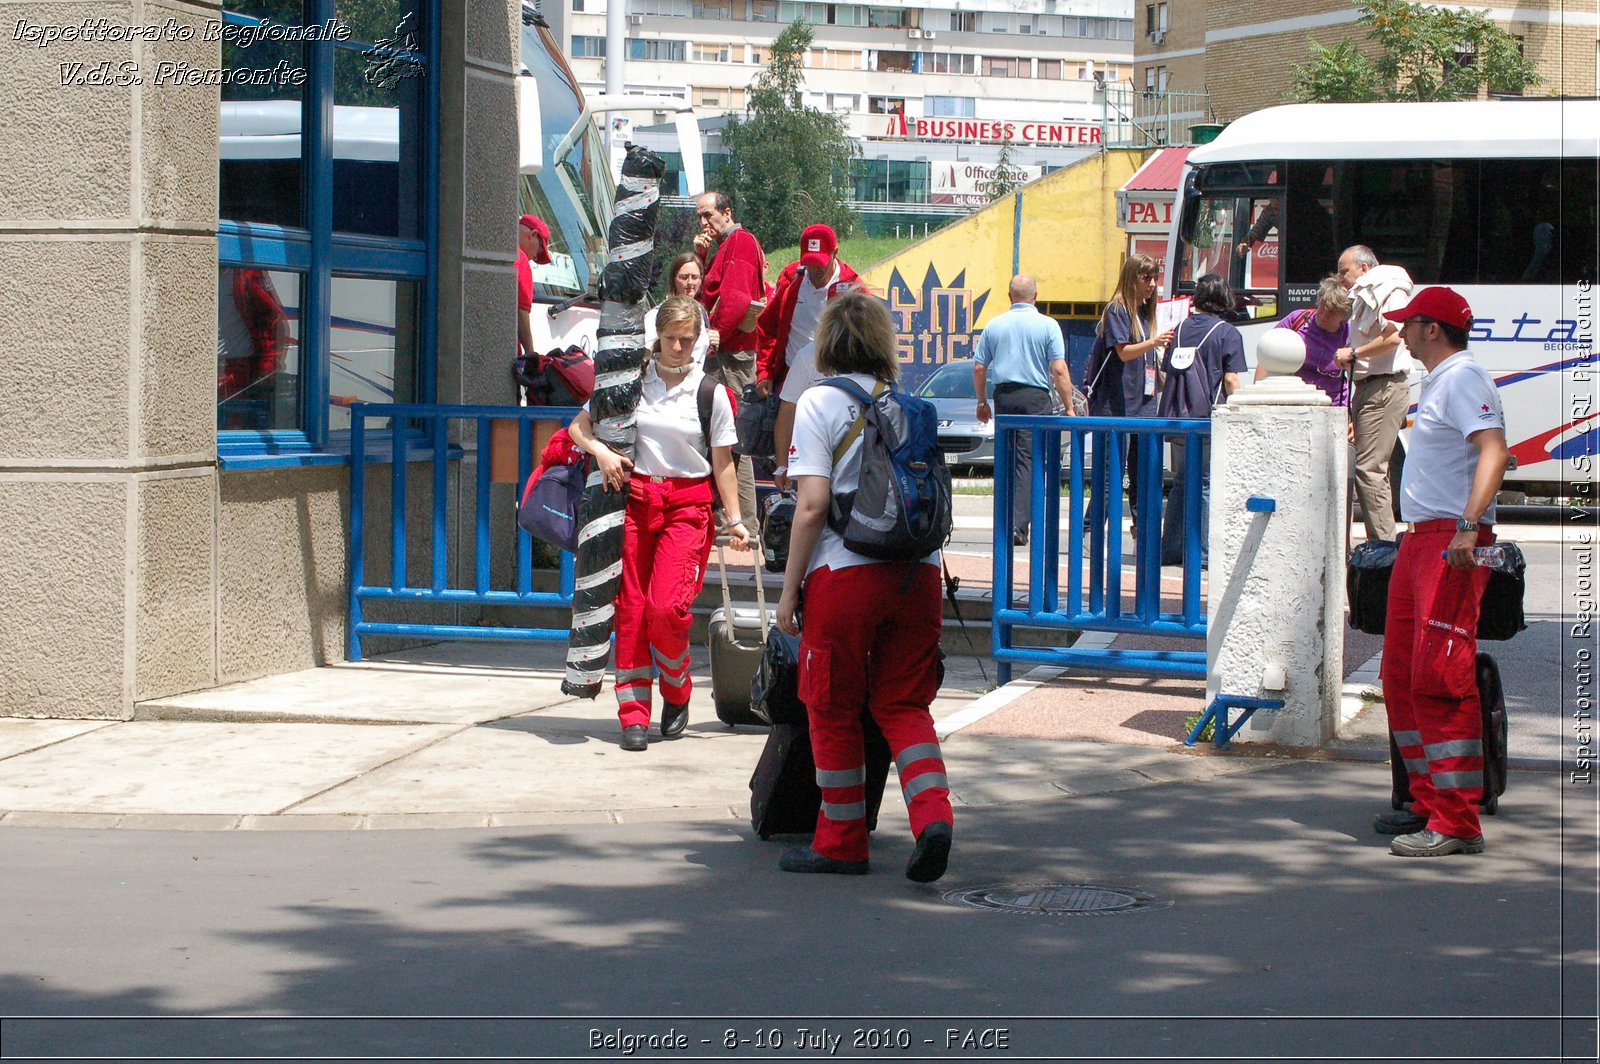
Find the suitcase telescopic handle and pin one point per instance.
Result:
(761, 592)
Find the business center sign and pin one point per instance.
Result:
(996, 131)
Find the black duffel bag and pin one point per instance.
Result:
(1366, 584)
(775, 690)
(1500, 614)
(1500, 610)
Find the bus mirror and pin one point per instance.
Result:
(530, 140)
(1189, 208)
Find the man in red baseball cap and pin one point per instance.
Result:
(1452, 473)
(533, 245)
(789, 324)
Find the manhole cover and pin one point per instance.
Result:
(1057, 899)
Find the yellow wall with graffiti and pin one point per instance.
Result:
(946, 288)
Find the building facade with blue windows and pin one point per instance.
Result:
(222, 225)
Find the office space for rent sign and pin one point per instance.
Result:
(967, 184)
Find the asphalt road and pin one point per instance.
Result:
(1278, 927)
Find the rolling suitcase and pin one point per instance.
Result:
(1492, 698)
(784, 797)
(736, 638)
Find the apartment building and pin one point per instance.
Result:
(1242, 53)
(917, 86)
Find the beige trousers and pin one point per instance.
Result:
(737, 369)
(1378, 409)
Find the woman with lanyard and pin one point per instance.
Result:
(1123, 367)
(683, 279)
(667, 529)
(1201, 369)
(870, 637)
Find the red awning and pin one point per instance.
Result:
(1160, 172)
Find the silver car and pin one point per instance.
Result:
(963, 438)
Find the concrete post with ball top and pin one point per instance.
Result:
(1276, 600)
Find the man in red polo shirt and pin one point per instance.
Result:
(734, 294)
(1430, 644)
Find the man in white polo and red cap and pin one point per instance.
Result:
(789, 324)
(1430, 645)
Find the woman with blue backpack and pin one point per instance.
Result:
(869, 637)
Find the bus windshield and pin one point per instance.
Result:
(572, 194)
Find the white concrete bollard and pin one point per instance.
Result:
(1275, 609)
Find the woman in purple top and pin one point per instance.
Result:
(1325, 328)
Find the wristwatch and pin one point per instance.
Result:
(1463, 525)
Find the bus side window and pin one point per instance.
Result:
(1542, 229)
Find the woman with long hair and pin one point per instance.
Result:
(684, 276)
(1124, 369)
(668, 527)
(1199, 371)
(870, 634)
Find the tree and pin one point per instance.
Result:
(1007, 178)
(1423, 53)
(788, 164)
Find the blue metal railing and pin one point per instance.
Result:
(403, 421)
(1093, 599)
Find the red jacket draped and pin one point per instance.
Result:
(772, 362)
(735, 277)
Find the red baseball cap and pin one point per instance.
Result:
(537, 225)
(1444, 305)
(817, 245)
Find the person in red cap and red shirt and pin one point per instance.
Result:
(1430, 645)
(734, 293)
(789, 324)
(533, 245)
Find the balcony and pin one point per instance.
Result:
(1135, 118)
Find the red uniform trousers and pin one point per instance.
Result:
(871, 640)
(666, 540)
(1430, 677)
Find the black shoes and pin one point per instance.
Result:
(635, 737)
(1403, 822)
(809, 860)
(674, 718)
(932, 854)
(1019, 539)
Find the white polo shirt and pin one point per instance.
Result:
(1458, 399)
(803, 373)
(667, 426)
(821, 419)
(807, 312)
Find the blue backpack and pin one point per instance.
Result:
(901, 509)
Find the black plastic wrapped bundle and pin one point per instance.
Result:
(619, 362)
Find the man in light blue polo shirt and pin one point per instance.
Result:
(1028, 358)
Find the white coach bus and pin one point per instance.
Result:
(1496, 199)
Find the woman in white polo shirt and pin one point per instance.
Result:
(668, 531)
(870, 638)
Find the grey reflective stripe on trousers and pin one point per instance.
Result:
(1417, 765)
(1455, 781)
(912, 754)
(1453, 748)
(838, 811)
(1408, 738)
(842, 777)
(912, 788)
(670, 664)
